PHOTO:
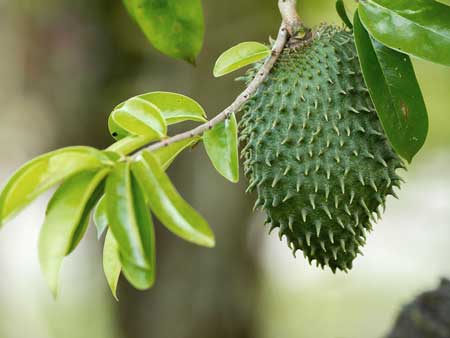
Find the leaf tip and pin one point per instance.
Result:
(54, 294)
(210, 241)
(53, 286)
(217, 73)
(408, 158)
(191, 60)
(52, 283)
(235, 178)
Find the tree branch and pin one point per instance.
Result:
(291, 22)
(288, 10)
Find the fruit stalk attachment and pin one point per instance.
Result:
(293, 23)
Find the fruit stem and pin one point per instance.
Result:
(288, 10)
(291, 23)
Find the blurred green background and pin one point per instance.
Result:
(65, 64)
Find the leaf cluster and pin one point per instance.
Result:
(124, 193)
(125, 187)
(386, 34)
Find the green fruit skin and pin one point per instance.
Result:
(315, 151)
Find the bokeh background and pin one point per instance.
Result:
(64, 65)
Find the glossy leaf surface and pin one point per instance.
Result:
(222, 147)
(417, 27)
(166, 203)
(175, 107)
(137, 117)
(394, 91)
(141, 279)
(116, 131)
(128, 144)
(240, 56)
(111, 262)
(114, 264)
(43, 172)
(100, 218)
(66, 220)
(128, 217)
(340, 9)
(174, 27)
(111, 155)
(166, 155)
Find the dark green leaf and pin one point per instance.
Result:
(174, 107)
(137, 117)
(129, 218)
(111, 262)
(100, 218)
(166, 203)
(65, 221)
(174, 27)
(394, 91)
(166, 155)
(43, 172)
(239, 56)
(340, 8)
(222, 148)
(417, 27)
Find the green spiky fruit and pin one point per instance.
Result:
(315, 151)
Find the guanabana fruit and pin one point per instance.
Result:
(315, 151)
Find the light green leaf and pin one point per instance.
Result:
(43, 172)
(116, 131)
(417, 27)
(137, 117)
(340, 9)
(128, 217)
(394, 90)
(166, 155)
(240, 56)
(111, 262)
(166, 203)
(174, 27)
(100, 218)
(128, 144)
(141, 279)
(114, 264)
(174, 107)
(111, 155)
(66, 220)
(222, 147)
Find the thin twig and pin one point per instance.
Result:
(289, 13)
